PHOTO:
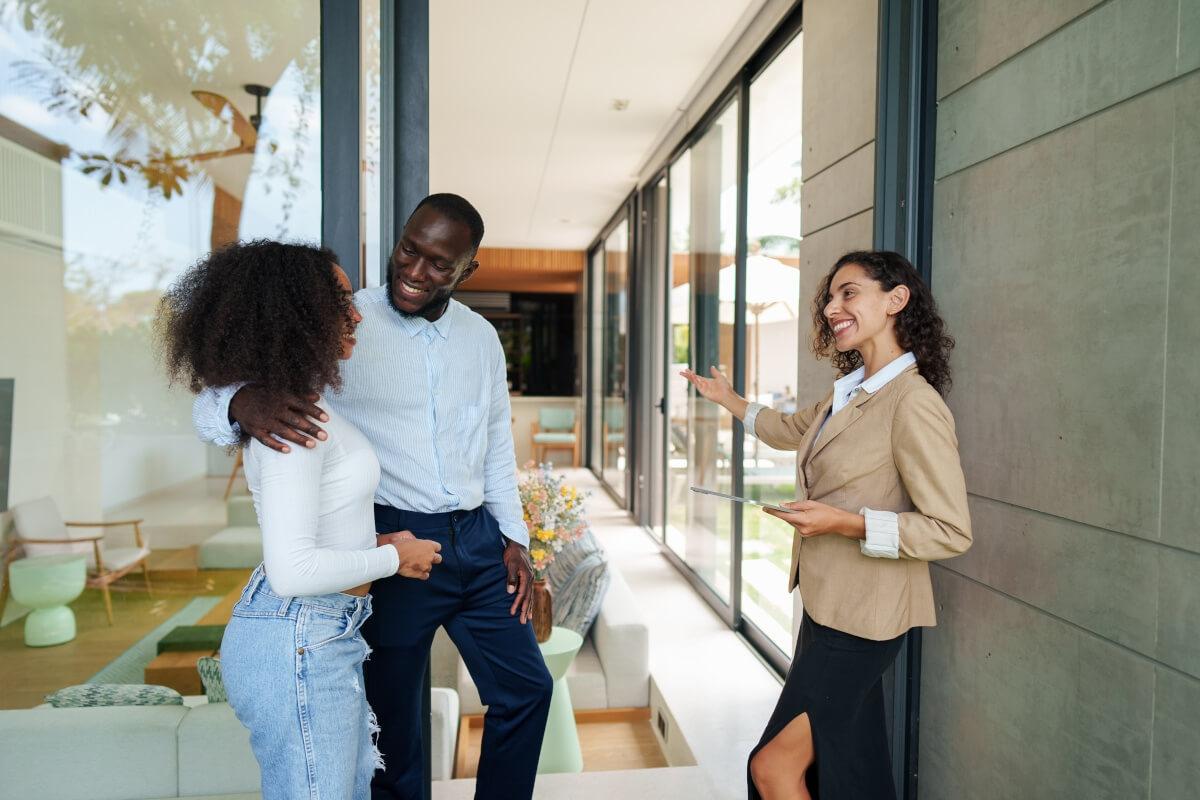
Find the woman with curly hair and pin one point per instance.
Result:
(880, 493)
(281, 316)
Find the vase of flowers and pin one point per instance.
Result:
(554, 517)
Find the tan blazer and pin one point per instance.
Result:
(894, 450)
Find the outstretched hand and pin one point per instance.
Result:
(270, 417)
(520, 578)
(717, 389)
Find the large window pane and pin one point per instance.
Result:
(138, 135)
(703, 188)
(773, 311)
(613, 452)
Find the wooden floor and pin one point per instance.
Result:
(27, 674)
(610, 740)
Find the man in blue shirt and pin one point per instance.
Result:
(428, 387)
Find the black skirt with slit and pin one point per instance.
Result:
(837, 679)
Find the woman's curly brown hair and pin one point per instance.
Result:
(919, 328)
(256, 312)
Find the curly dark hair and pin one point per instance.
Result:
(258, 312)
(919, 328)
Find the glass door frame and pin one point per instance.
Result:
(625, 215)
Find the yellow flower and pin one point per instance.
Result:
(544, 535)
(537, 554)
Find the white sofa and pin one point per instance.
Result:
(612, 669)
(147, 752)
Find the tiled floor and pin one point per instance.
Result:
(684, 783)
(716, 688)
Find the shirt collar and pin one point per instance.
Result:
(441, 326)
(845, 386)
(884, 376)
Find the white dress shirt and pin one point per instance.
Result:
(883, 527)
(432, 399)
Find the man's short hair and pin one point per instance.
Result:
(458, 209)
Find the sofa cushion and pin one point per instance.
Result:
(214, 753)
(87, 695)
(113, 753)
(578, 601)
(232, 548)
(240, 512)
(623, 643)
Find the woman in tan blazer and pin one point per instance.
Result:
(880, 492)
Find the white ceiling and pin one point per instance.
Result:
(521, 95)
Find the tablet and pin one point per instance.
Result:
(736, 499)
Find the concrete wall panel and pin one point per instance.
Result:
(976, 35)
(1189, 36)
(1176, 768)
(1102, 581)
(1016, 703)
(1179, 612)
(1181, 444)
(1052, 273)
(841, 44)
(840, 192)
(1121, 49)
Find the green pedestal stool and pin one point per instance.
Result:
(46, 584)
(560, 745)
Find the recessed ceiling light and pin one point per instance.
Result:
(620, 104)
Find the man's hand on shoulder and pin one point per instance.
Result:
(520, 578)
(269, 417)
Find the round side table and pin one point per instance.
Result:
(560, 745)
(46, 584)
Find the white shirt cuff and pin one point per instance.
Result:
(883, 534)
(751, 415)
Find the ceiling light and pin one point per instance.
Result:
(620, 104)
(564, 220)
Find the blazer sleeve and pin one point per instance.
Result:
(784, 431)
(925, 449)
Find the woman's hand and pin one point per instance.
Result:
(811, 518)
(719, 390)
(417, 556)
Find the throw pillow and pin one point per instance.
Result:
(568, 560)
(209, 668)
(87, 695)
(578, 602)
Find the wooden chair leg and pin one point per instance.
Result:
(146, 578)
(107, 603)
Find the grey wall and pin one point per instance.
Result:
(1067, 263)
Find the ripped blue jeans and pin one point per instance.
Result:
(292, 668)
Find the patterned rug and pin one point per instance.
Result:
(130, 665)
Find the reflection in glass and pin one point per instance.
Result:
(145, 134)
(703, 188)
(613, 453)
(773, 308)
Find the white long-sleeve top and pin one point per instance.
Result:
(432, 398)
(316, 513)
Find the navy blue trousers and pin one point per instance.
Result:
(468, 595)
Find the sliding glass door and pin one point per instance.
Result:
(703, 224)
(775, 316)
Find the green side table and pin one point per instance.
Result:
(560, 745)
(46, 584)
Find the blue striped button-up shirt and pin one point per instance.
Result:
(432, 398)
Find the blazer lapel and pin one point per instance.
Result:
(838, 423)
